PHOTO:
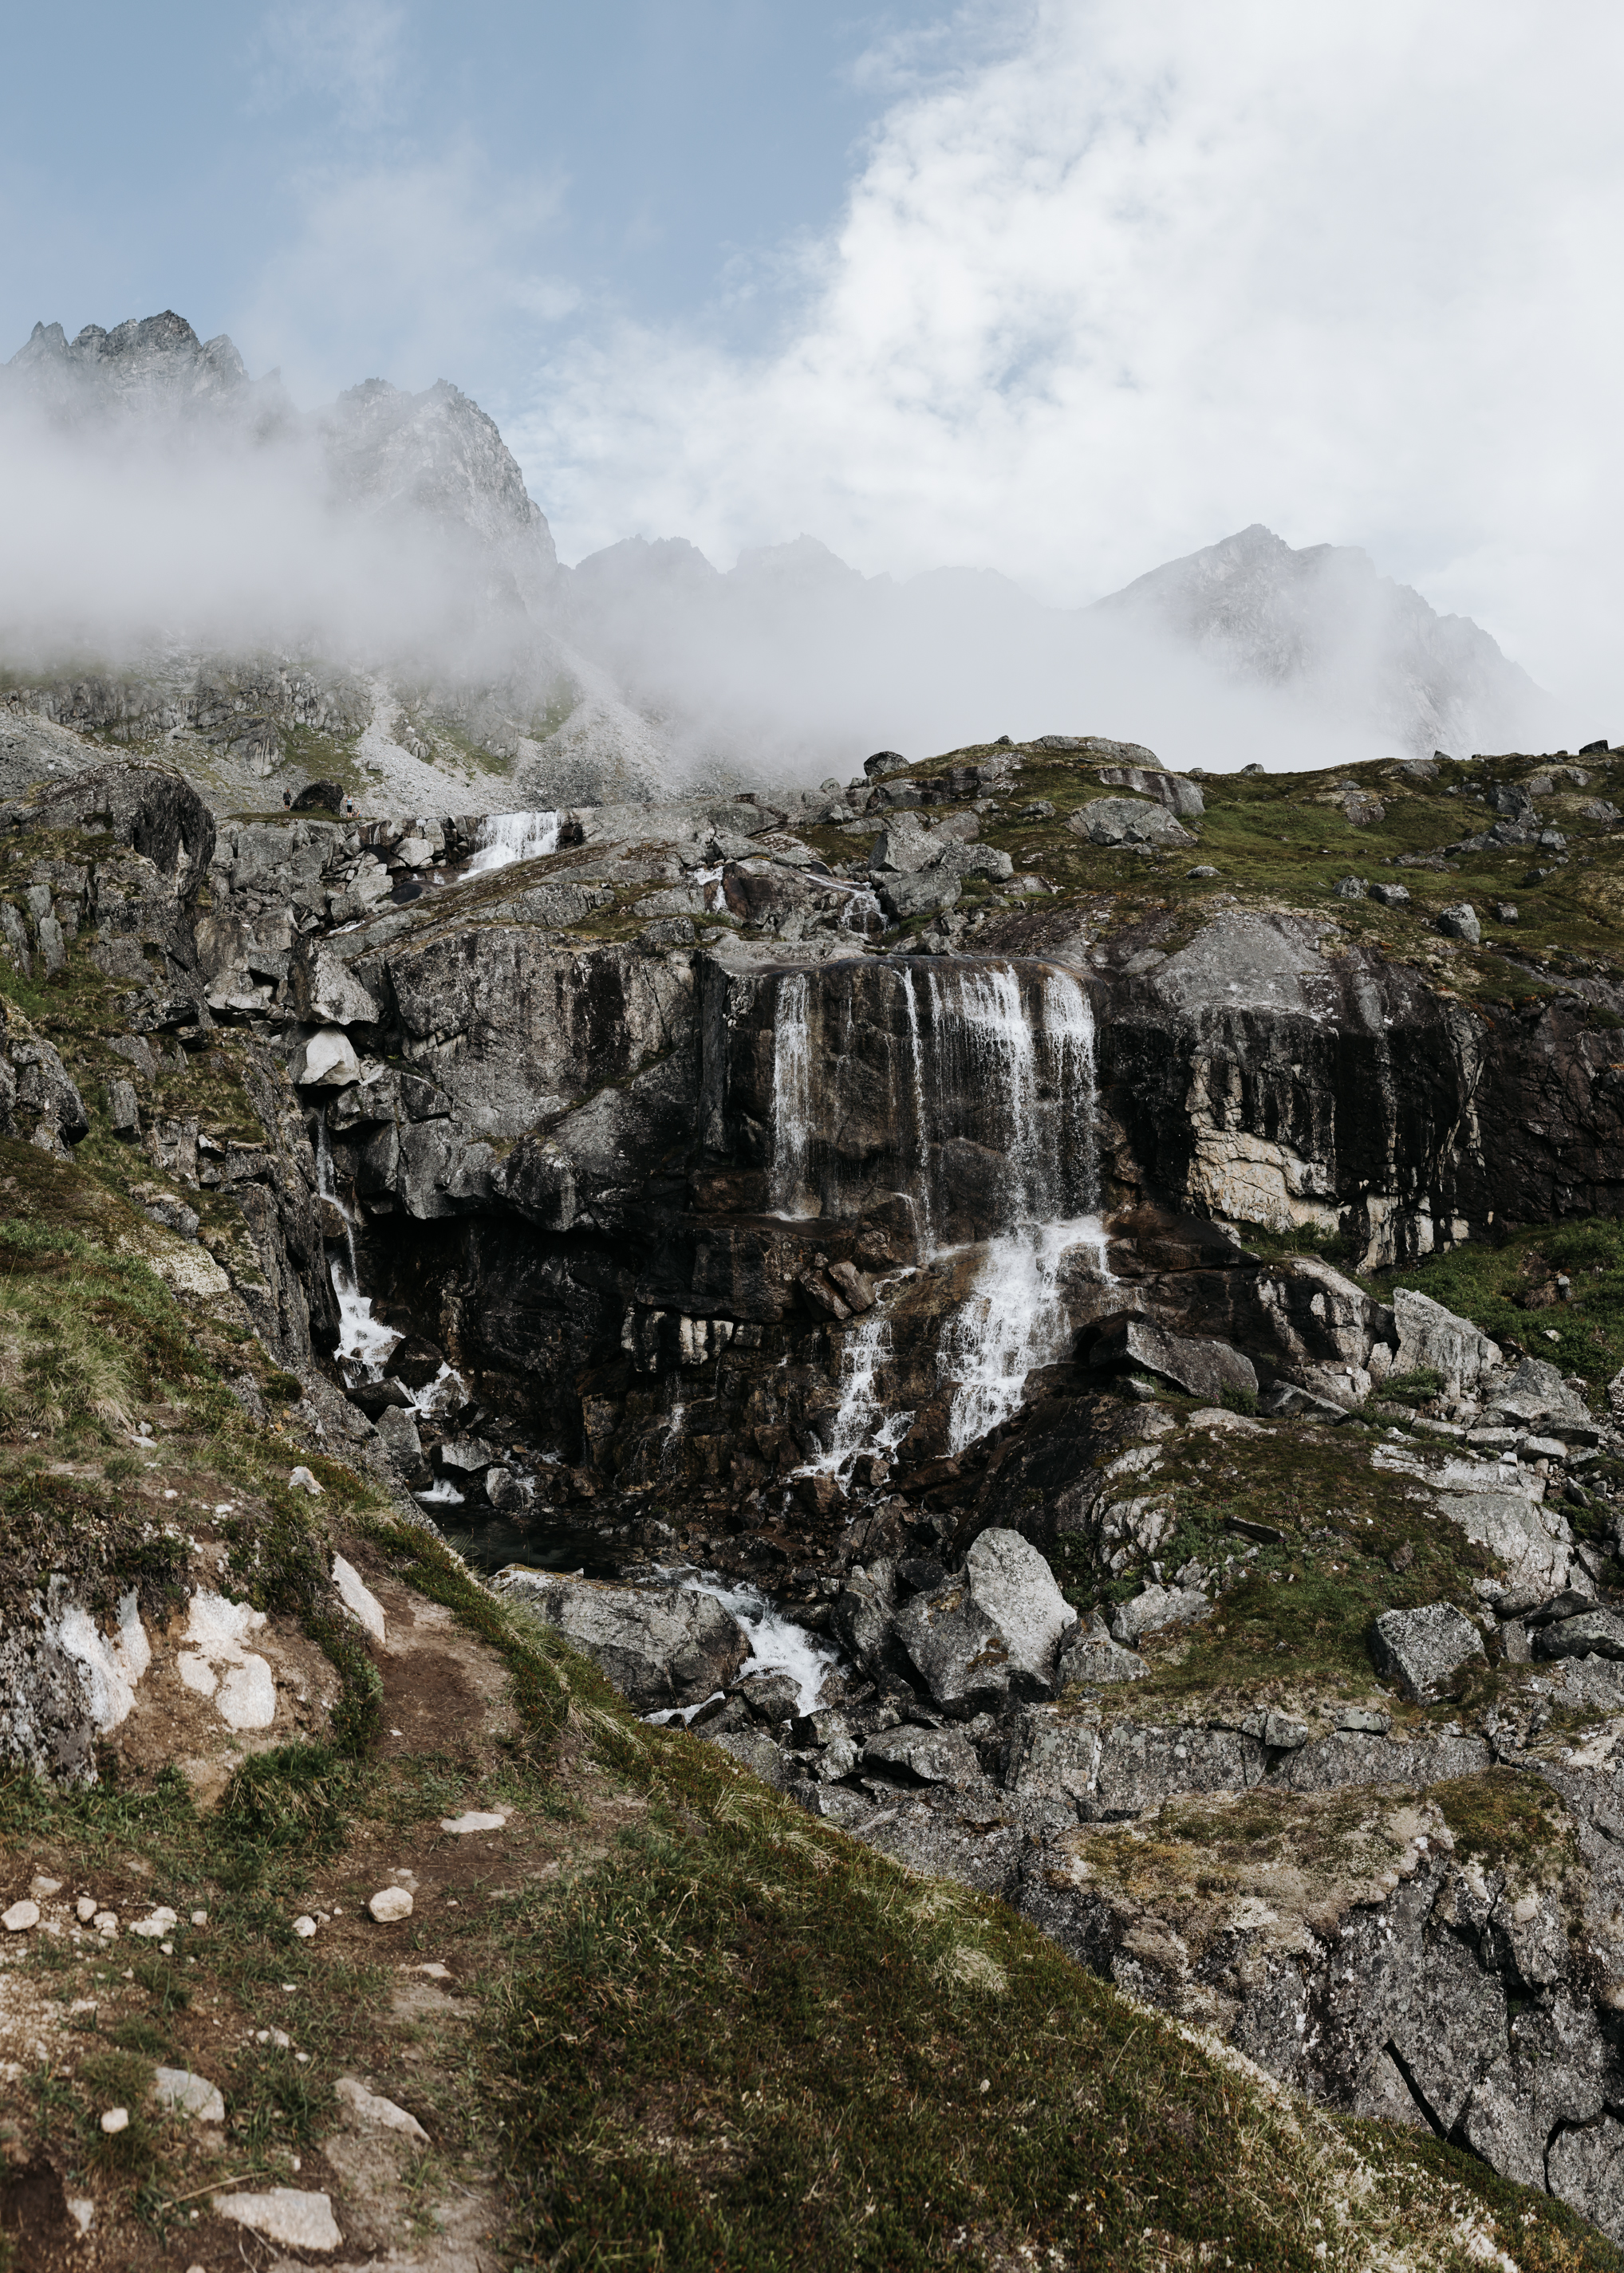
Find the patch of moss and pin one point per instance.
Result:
(1508, 1818)
(1491, 1284)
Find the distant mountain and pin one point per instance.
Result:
(369, 586)
(1245, 649)
(434, 455)
(1322, 623)
(396, 581)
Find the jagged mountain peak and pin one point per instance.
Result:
(140, 363)
(1323, 620)
(437, 453)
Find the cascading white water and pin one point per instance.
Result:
(777, 1644)
(862, 911)
(1014, 1317)
(791, 1098)
(921, 1125)
(862, 1421)
(361, 1341)
(1012, 1320)
(992, 1075)
(364, 1341)
(505, 838)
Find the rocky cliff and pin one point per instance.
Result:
(983, 1218)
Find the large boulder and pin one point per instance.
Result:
(1127, 820)
(1325, 1328)
(327, 1060)
(927, 891)
(38, 1097)
(1155, 1608)
(660, 1645)
(151, 808)
(927, 1755)
(904, 846)
(861, 1616)
(1178, 795)
(1089, 1656)
(1433, 1340)
(993, 1631)
(327, 992)
(1424, 1649)
(1594, 1633)
(1537, 1392)
(1199, 1366)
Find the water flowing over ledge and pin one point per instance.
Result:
(986, 1125)
(505, 838)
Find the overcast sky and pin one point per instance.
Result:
(1062, 289)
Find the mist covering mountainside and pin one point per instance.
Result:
(1325, 622)
(369, 591)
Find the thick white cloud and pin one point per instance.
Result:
(1136, 277)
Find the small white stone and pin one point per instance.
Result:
(82, 2210)
(106, 1921)
(21, 1916)
(85, 1908)
(185, 2094)
(304, 1927)
(460, 1826)
(247, 1698)
(115, 2119)
(371, 2107)
(43, 1888)
(358, 1598)
(387, 1905)
(297, 2221)
(196, 1672)
(200, 1918)
(160, 1923)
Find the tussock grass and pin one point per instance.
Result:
(1488, 1282)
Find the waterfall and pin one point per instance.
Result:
(862, 1421)
(921, 1124)
(364, 1341)
(990, 1068)
(791, 1098)
(503, 837)
(862, 912)
(1014, 1318)
(361, 1341)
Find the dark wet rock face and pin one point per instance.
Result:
(1267, 1081)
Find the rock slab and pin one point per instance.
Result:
(1423, 1649)
(660, 1645)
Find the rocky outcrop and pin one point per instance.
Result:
(124, 907)
(1275, 1074)
(662, 1646)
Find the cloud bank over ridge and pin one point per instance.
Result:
(1125, 279)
